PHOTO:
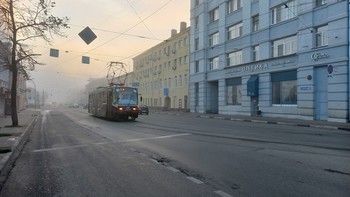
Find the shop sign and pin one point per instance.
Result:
(317, 56)
(254, 67)
(305, 88)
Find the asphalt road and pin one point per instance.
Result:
(71, 153)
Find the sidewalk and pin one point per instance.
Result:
(265, 120)
(12, 139)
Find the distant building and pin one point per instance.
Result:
(161, 72)
(271, 58)
(4, 80)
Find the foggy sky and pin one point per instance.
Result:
(143, 24)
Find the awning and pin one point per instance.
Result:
(253, 86)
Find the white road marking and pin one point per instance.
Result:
(152, 138)
(172, 169)
(13, 139)
(155, 161)
(223, 194)
(194, 180)
(104, 143)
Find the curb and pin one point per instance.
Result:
(274, 122)
(10, 158)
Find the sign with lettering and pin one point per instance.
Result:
(317, 56)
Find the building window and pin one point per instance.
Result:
(284, 12)
(213, 63)
(256, 53)
(196, 66)
(284, 88)
(196, 22)
(196, 44)
(196, 2)
(235, 31)
(233, 5)
(322, 36)
(186, 41)
(255, 23)
(185, 59)
(234, 91)
(214, 39)
(285, 46)
(234, 58)
(214, 15)
(180, 80)
(320, 2)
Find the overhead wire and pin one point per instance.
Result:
(121, 34)
(137, 14)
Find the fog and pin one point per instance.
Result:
(124, 29)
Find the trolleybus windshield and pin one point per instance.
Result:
(125, 96)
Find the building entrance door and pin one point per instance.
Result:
(321, 93)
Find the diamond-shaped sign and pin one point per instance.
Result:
(87, 35)
(85, 60)
(54, 52)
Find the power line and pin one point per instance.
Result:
(121, 34)
(139, 17)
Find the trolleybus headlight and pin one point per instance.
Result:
(134, 109)
(120, 109)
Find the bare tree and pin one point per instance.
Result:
(25, 20)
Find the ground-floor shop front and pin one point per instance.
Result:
(284, 87)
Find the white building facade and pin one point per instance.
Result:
(270, 58)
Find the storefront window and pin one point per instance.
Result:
(234, 91)
(284, 88)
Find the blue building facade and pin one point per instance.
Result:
(270, 58)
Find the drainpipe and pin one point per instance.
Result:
(348, 48)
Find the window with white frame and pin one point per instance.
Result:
(235, 31)
(322, 36)
(256, 53)
(196, 66)
(214, 39)
(233, 5)
(213, 63)
(196, 44)
(320, 2)
(196, 22)
(214, 15)
(284, 88)
(234, 58)
(180, 80)
(255, 23)
(284, 12)
(185, 59)
(285, 46)
(234, 91)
